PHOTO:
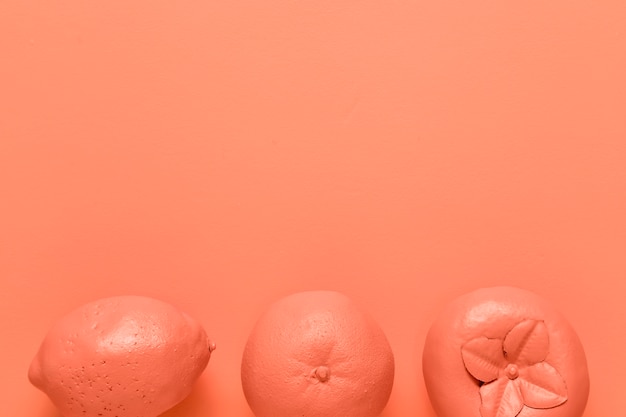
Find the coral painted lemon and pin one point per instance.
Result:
(125, 356)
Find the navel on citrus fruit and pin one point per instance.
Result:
(316, 354)
(504, 352)
(121, 357)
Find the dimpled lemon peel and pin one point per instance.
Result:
(126, 356)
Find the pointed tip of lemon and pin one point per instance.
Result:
(34, 372)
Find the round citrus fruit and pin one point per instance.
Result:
(123, 356)
(504, 352)
(316, 354)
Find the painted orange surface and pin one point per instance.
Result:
(221, 155)
(317, 354)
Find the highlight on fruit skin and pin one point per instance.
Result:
(125, 356)
(317, 354)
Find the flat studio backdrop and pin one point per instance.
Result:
(220, 155)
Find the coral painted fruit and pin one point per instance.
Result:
(316, 354)
(504, 352)
(125, 356)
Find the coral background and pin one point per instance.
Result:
(219, 155)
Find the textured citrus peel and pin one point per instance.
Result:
(126, 356)
(514, 372)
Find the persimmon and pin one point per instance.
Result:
(504, 352)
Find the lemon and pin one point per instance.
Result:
(126, 356)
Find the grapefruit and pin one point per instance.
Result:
(125, 356)
(316, 354)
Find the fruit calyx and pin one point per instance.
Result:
(321, 373)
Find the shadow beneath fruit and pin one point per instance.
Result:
(197, 404)
(48, 410)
